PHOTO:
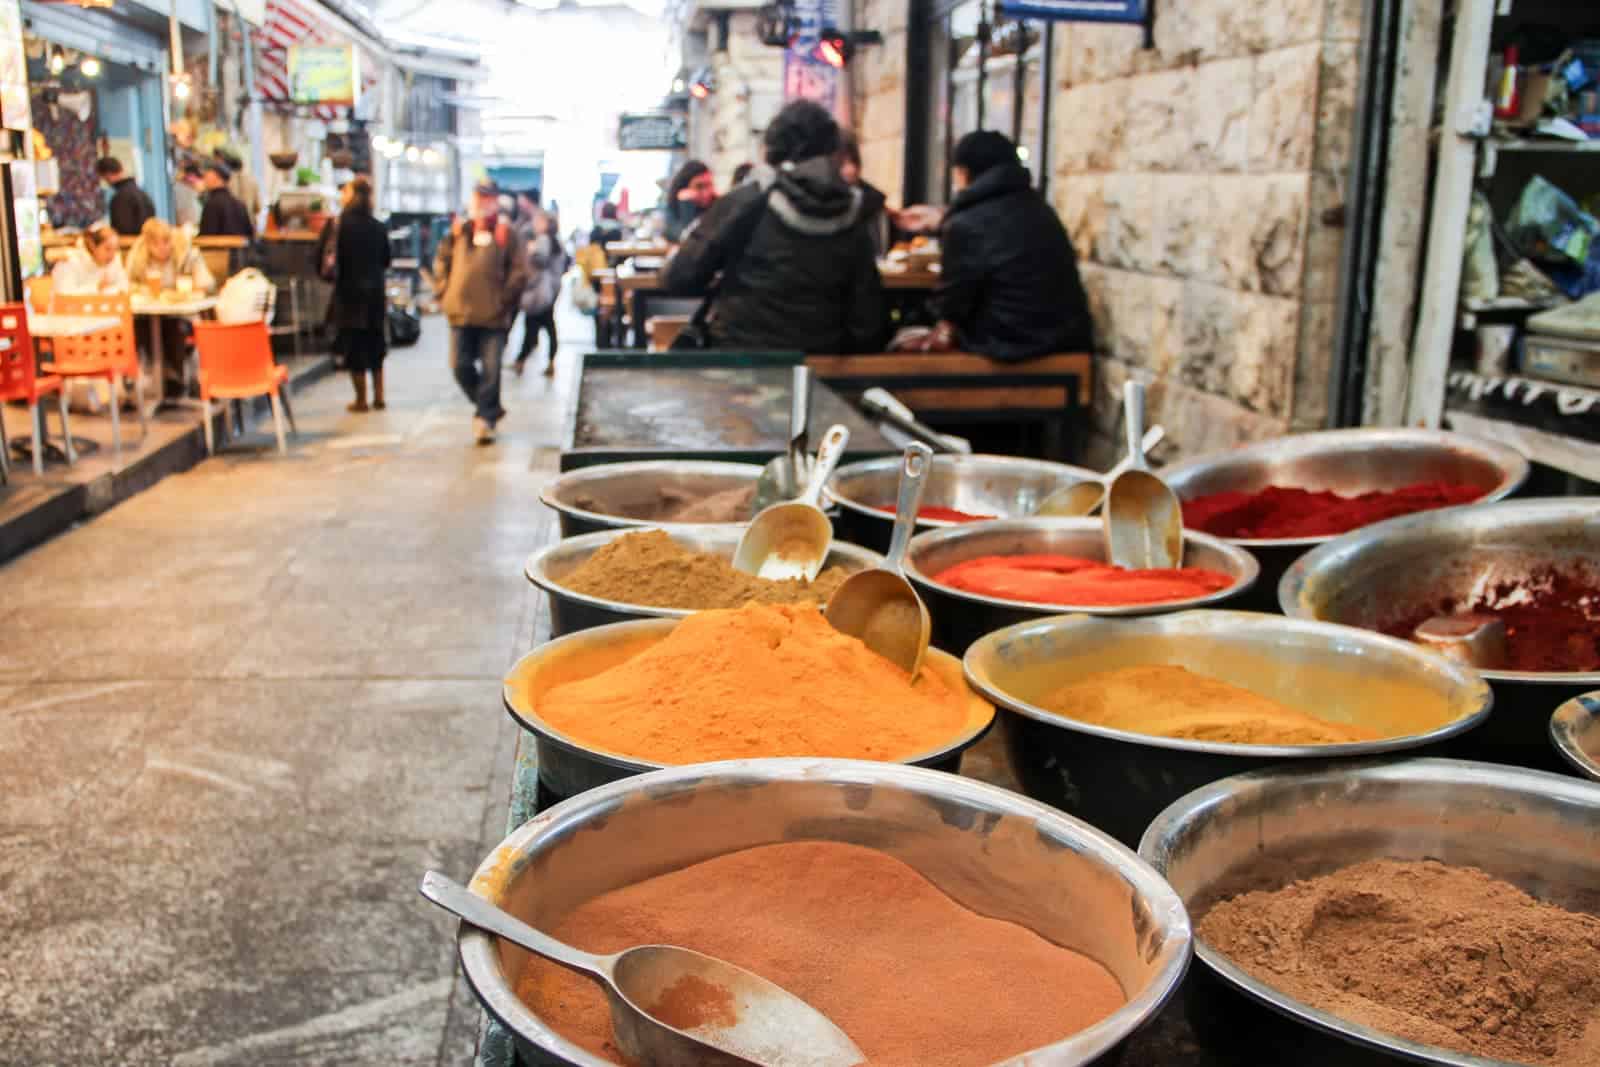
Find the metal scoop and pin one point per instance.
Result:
(791, 540)
(742, 1019)
(1474, 639)
(784, 476)
(1143, 522)
(879, 606)
(887, 408)
(1082, 498)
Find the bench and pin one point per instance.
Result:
(952, 390)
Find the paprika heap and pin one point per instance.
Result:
(1552, 619)
(1282, 512)
(1071, 581)
(650, 568)
(915, 979)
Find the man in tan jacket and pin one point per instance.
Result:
(480, 271)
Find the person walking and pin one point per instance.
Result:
(223, 214)
(547, 262)
(130, 205)
(360, 299)
(480, 270)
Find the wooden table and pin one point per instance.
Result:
(617, 251)
(909, 280)
(144, 306)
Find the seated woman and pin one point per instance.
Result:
(799, 273)
(1009, 285)
(162, 255)
(93, 265)
(690, 195)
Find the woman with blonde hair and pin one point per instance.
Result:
(164, 255)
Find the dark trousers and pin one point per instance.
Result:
(471, 346)
(531, 325)
(173, 349)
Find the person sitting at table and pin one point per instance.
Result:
(799, 273)
(1009, 285)
(873, 202)
(163, 255)
(690, 194)
(93, 265)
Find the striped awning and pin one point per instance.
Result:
(301, 22)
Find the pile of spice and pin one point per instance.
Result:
(1552, 620)
(1170, 701)
(1279, 511)
(1445, 956)
(650, 568)
(935, 513)
(671, 504)
(765, 680)
(1069, 580)
(861, 936)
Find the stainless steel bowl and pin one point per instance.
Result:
(1349, 462)
(1007, 487)
(1386, 571)
(992, 851)
(960, 618)
(1575, 731)
(568, 766)
(1260, 830)
(618, 488)
(1118, 780)
(571, 612)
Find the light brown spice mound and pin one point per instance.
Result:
(651, 569)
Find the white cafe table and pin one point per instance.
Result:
(46, 324)
(141, 304)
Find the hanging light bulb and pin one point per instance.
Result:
(180, 88)
(431, 157)
(90, 67)
(379, 142)
(413, 153)
(58, 60)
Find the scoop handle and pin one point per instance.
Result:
(462, 902)
(1133, 415)
(828, 455)
(913, 478)
(799, 417)
(1152, 437)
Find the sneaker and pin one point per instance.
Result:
(482, 431)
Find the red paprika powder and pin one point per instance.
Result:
(1552, 620)
(1069, 580)
(1280, 511)
(936, 513)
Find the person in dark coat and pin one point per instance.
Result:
(223, 215)
(130, 205)
(803, 275)
(873, 203)
(1009, 285)
(360, 300)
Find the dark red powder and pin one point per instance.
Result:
(1555, 626)
(940, 514)
(1278, 511)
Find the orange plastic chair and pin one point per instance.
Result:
(235, 363)
(111, 354)
(19, 380)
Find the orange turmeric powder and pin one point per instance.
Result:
(762, 680)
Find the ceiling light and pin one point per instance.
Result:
(58, 60)
(704, 84)
(833, 49)
(180, 87)
(432, 157)
(90, 67)
(379, 142)
(413, 154)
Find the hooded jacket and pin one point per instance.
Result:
(803, 276)
(1009, 277)
(130, 207)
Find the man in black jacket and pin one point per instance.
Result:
(130, 205)
(798, 265)
(223, 215)
(1009, 285)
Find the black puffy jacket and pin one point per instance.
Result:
(1009, 277)
(804, 278)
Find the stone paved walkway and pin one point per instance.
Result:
(241, 713)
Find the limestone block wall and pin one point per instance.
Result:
(878, 85)
(749, 92)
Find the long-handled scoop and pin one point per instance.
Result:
(725, 1015)
(887, 408)
(791, 540)
(879, 606)
(785, 476)
(1082, 498)
(1142, 518)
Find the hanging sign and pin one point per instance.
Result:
(1136, 11)
(652, 131)
(323, 74)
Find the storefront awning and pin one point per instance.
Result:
(291, 23)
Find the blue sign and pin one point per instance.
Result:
(1136, 11)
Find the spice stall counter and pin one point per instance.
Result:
(714, 406)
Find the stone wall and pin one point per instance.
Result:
(878, 91)
(749, 92)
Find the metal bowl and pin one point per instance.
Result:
(617, 488)
(1575, 731)
(1349, 462)
(1006, 487)
(568, 767)
(990, 850)
(1261, 830)
(1119, 780)
(1379, 573)
(960, 617)
(571, 612)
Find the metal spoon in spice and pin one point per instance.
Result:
(785, 476)
(1142, 519)
(732, 1018)
(1083, 498)
(879, 606)
(791, 540)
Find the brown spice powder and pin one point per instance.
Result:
(651, 569)
(1445, 956)
(692, 1002)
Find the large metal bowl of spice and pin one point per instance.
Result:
(1419, 911)
(959, 489)
(1114, 719)
(1575, 731)
(683, 580)
(934, 918)
(1533, 563)
(715, 706)
(1278, 497)
(667, 493)
(960, 572)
